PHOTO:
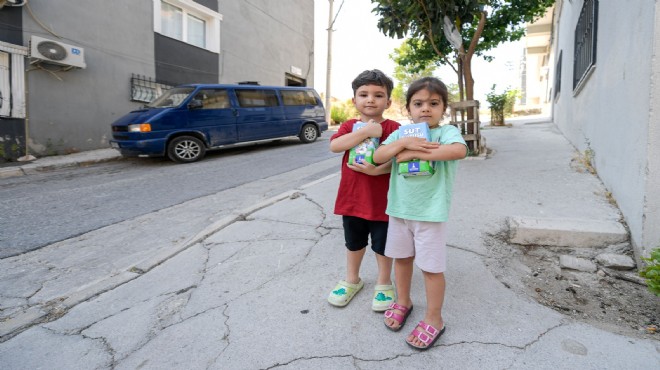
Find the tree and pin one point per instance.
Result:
(451, 32)
(405, 74)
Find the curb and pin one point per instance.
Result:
(65, 161)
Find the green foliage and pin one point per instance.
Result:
(453, 92)
(500, 104)
(405, 72)
(422, 22)
(511, 96)
(651, 272)
(342, 111)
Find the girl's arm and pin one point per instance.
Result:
(447, 152)
(417, 144)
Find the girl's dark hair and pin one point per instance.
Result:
(373, 77)
(433, 85)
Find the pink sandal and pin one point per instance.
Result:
(390, 314)
(427, 339)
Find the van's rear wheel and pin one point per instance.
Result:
(309, 133)
(186, 149)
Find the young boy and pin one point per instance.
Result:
(362, 194)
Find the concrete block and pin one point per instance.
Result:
(576, 263)
(615, 261)
(565, 232)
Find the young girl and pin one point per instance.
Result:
(418, 207)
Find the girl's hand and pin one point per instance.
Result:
(406, 155)
(418, 144)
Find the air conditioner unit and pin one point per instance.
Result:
(56, 52)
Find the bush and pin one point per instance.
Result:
(651, 272)
(501, 104)
(342, 111)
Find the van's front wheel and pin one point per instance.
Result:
(186, 149)
(309, 133)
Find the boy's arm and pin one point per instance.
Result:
(371, 170)
(351, 139)
(447, 152)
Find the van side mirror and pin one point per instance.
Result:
(195, 104)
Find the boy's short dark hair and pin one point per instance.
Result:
(373, 77)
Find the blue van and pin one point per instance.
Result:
(188, 120)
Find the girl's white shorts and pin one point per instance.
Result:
(426, 241)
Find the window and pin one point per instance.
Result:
(256, 98)
(145, 89)
(213, 98)
(188, 21)
(293, 97)
(558, 76)
(584, 57)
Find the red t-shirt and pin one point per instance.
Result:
(359, 194)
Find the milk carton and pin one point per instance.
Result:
(416, 167)
(364, 151)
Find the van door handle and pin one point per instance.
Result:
(235, 112)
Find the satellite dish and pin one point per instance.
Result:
(52, 50)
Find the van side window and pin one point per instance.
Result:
(290, 97)
(213, 98)
(256, 98)
(310, 98)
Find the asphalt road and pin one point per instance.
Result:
(40, 209)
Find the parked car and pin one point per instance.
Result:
(188, 120)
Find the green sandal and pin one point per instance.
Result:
(344, 292)
(384, 295)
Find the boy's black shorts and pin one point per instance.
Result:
(357, 230)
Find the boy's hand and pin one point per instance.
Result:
(364, 167)
(372, 129)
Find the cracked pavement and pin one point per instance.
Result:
(251, 295)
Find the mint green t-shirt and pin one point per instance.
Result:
(424, 198)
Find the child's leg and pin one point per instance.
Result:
(353, 262)
(435, 297)
(403, 270)
(384, 270)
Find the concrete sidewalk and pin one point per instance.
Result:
(250, 293)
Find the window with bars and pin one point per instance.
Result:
(145, 89)
(584, 56)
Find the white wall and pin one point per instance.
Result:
(610, 114)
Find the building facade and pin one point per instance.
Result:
(605, 91)
(122, 53)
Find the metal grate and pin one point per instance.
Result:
(584, 57)
(146, 89)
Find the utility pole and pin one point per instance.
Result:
(329, 65)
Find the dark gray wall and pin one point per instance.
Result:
(180, 63)
(11, 25)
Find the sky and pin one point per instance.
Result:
(358, 45)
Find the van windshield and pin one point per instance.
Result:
(171, 98)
